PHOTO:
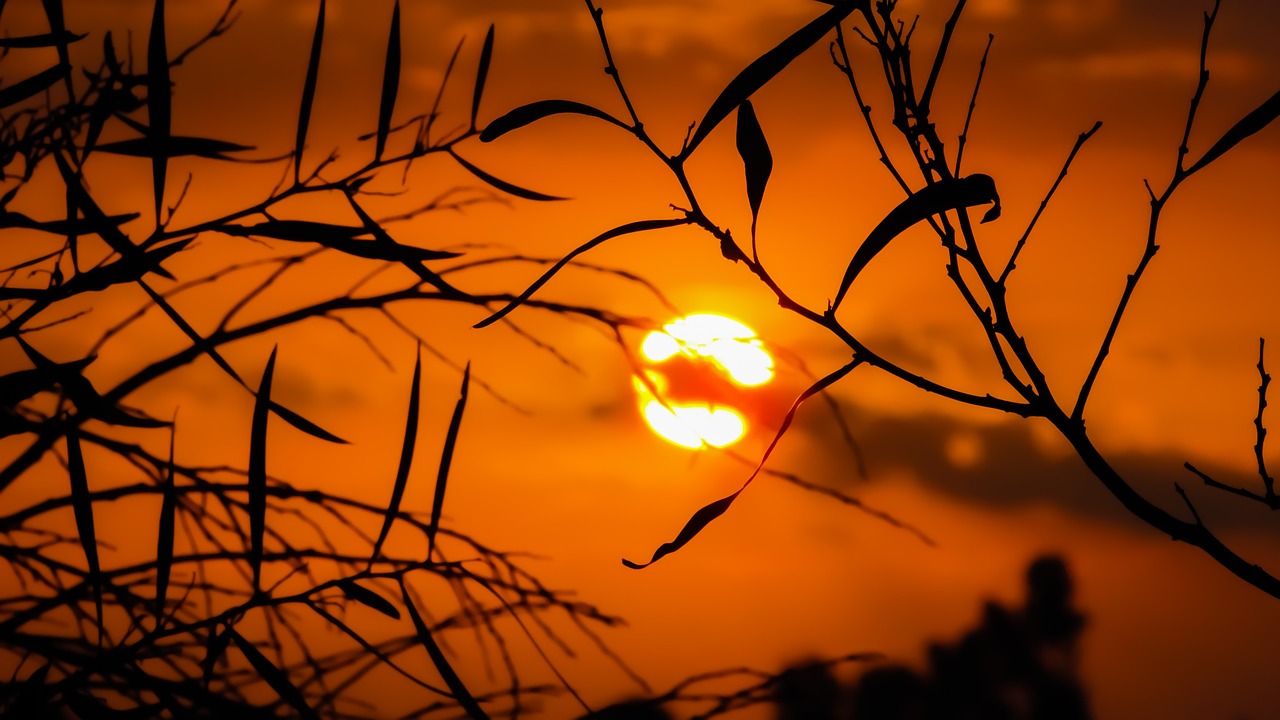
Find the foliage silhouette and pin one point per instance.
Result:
(942, 198)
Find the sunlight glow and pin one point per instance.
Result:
(731, 348)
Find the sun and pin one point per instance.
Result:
(699, 366)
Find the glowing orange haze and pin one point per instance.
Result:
(787, 574)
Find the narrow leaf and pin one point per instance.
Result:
(337, 237)
(456, 686)
(934, 199)
(158, 103)
(704, 516)
(50, 39)
(482, 72)
(406, 460)
(390, 83)
(499, 183)
(27, 87)
(764, 68)
(308, 94)
(275, 677)
(1259, 118)
(368, 598)
(257, 479)
(61, 38)
(164, 538)
(82, 506)
(446, 459)
(301, 423)
(534, 111)
(690, 530)
(174, 146)
(756, 159)
(626, 229)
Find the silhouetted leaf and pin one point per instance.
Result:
(164, 537)
(308, 93)
(534, 111)
(276, 678)
(75, 226)
(690, 530)
(257, 478)
(158, 103)
(446, 459)
(125, 270)
(456, 686)
(368, 598)
(338, 237)
(301, 423)
(82, 507)
(175, 146)
(390, 83)
(499, 183)
(763, 69)
(61, 38)
(628, 228)
(406, 460)
(42, 40)
(482, 72)
(940, 197)
(24, 89)
(1259, 118)
(756, 159)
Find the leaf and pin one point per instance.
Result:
(499, 183)
(82, 507)
(390, 83)
(164, 538)
(626, 229)
(935, 199)
(714, 510)
(276, 678)
(337, 237)
(756, 159)
(25, 88)
(175, 146)
(308, 94)
(406, 460)
(257, 479)
(446, 459)
(763, 69)
(534, 111)
(158, 103)
(690, 530)
(59, 39)
(368, 598)
(456, 686)
(1259, 118)
(482, 72)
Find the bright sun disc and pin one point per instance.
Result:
(731, 347)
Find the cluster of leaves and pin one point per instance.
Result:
(154, 636)
(941, 198)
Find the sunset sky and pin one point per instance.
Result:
(579, 480)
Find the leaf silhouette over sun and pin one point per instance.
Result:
(534, 111)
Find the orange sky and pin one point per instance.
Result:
(786, 575)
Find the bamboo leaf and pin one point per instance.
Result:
(406, 460)
(61, 38)
(535, 111)
(446, 459)
(764, 68)
(368, 598)
(690, 530)
(164, 538)
(1257, 119)
(499, 183)
(257, 480)
(308, 93)
(940, 197)
(756, 159)
(626, 229)
(390, 83)
(482, 72)
(456, 686)
(337, 237)
(158, 103)
(175, 146)
(82, 507)
(51, 39)
(27, 87)
(274, 676)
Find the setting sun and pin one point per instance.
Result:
(701, 364)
